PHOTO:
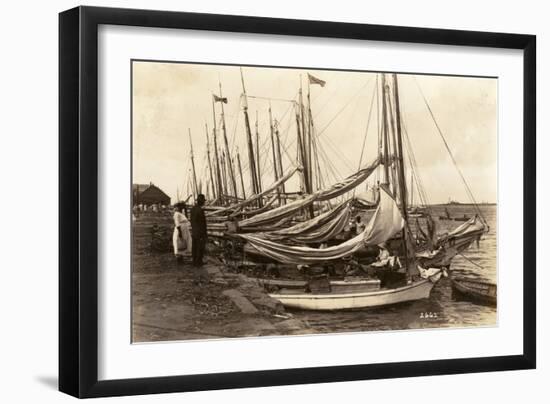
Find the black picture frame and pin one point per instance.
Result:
(78, 200)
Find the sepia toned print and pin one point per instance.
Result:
(279, 201)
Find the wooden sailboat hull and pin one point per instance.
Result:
(456, 219)
(341, 301)
(476, 291)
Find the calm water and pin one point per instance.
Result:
(450, 311)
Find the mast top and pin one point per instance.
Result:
(242, 81)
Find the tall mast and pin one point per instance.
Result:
(225, 171)
(216, 156)
(402, 181)
(305, 155)
(212, 186)
(300, 148)
(385, 131)
(232, 162)
(208, 190)
(309, 134)
(304, 129)
(273, 154)
(193, 165)
(227, 152)
(303, 159)
(252, 163)
(279, 156)
(412, 190)
(273, 151)
(189, 190)
(241, 173)
(224, 174)
(258, 154)
(394, 172)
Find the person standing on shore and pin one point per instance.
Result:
(198, 231)
(181, 237)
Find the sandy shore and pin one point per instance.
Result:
(175, 301)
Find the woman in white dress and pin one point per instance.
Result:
(182, 234)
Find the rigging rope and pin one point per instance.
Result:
(470, 261)
(344, 107)
(412, 160)
(468, 190)
(365, 137)
(335, 148)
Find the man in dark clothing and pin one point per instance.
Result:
(198, 231)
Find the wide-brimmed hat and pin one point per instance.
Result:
(201, 198)
(180, 205)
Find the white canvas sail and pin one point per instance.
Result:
(321, 228)
(255, 197)
(384, 224)
(333, 191)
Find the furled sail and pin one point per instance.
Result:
(384, 224)
(253, 212)
(275, 215)
(321, 228)
(453, 243)
(333, 191)
(257, 196)
(348, 183)
(327, 231)
(474, 225)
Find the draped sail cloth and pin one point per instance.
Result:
(386, 221)
(454, 242)
(275, 215)
(255, 197)
(367, 198)
(347, 184)
(384, 224)
(253, 212)
(333, 191)
(473, 225)
(321, 228)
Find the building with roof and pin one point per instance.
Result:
(149, 194)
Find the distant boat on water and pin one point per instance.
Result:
(453, 202)
(448, 216)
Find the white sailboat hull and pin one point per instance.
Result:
(329, 301)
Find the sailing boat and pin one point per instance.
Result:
(299, 233)
(367, 292)
(388, 220)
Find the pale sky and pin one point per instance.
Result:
(171, 98)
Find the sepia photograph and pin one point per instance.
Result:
(282, 201)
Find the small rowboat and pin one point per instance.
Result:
(477, 291)
(341, 300)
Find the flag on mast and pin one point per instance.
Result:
(315, 80)
(219, 99)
